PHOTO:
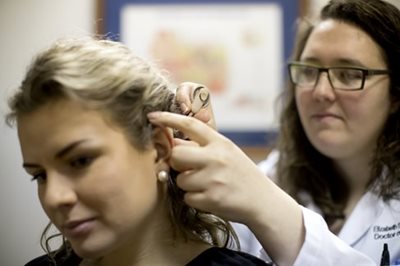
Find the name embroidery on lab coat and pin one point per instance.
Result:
(386, 232)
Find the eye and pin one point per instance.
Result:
(81, 162)
(349, 75)
(39, 177)
(308, 71)
(307, 74)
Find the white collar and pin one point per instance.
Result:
(361, 218)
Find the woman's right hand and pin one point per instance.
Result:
(218, 177)
(216, 174)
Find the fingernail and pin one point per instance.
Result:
(152, 115)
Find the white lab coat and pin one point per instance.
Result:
(372, 223)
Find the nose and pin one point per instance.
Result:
(58, 192)
(323, 90)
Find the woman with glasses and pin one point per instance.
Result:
(338, 152)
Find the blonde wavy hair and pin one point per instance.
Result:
(108, 76)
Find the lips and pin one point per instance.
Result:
(78, 228)
(325, 115)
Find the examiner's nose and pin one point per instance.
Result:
(323, 90)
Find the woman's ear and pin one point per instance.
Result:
(163, 143)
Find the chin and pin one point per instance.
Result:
(92, 250)
(335, 151)
(329, 148)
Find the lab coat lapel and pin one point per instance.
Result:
(361, 219)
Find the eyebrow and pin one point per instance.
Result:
(344, 61)
(63, 152)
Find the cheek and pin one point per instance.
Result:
(303, 100)
(124, 187)
(46, 209)
(128, 206)
(369, 108)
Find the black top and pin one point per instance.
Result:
(62, 259)
(225, 257)
(211, 257)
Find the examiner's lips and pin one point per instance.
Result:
(325, 116)
(78, 228)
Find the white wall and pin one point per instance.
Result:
(27, 26)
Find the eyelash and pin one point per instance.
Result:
(38, 177)
(80, 162)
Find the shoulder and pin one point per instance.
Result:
(61, 259)
(39, 261)
(223, 257)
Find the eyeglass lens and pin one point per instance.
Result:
(340, 78)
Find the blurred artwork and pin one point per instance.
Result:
(234, 49)
(191, 61)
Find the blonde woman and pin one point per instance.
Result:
(102, 170)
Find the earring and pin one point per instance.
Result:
(163, 176)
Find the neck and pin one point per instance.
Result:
(357, 174)
(154, 242)
(162, 253)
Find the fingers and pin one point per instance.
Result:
(184, 158)
(194, 100)
(184, 95)
(203, 115)
(197, 200)
(189, 182)
(190, 127)
(184, 142)
(197, 190)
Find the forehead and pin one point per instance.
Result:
(59, 122)
(333, 40)
(59, 113)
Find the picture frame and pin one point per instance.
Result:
(238, 49)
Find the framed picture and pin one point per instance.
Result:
(238, 49)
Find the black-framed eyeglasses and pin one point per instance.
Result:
(340, 78)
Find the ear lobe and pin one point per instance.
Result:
(163, 143)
